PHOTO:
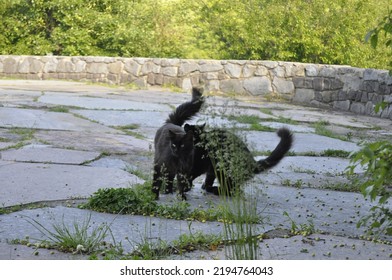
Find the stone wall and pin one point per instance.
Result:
(340, 87)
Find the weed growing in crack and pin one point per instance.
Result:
(302, 229)
(80, 238)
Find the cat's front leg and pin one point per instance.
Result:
(184, 184)
(209, 181)
(169, 184)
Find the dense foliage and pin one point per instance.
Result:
(317, 31)
(376, 160)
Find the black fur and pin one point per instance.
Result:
(174, 148)
(223, 155)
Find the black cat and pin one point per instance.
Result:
(223, 155)
(174, 148)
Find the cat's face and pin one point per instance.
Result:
(197, 130)
(181, 145)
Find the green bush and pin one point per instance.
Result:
(376, 159)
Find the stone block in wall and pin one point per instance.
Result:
(115, 67)
(168, 62)
(126, 78)
(233, 70)
(303, 95)
(323, 83)
(158, 79)
(132, 67)
(30, 65)
(343, 105)
(212, 85)
(141, 82)
(169, 80)
(388, 99)
(387, 112)
(269, 64)
(319, 104)
(65, 65)
(302, 82)
(364, 97)
(351, 81)
(96, 68)
(384, 89)
(326, 96)
(151, 78)
(329, 72)
(311, 70)
(112, 78)
(80, 66)
(376, 98)
(369, 109)
(369, 86)
(283, 86)
(149, 67)
(186, 84)
(261, 71)
(187, 67)
(278, 71)
(231, 86)
(342, 95)
(169, 71)
(249, 70)
(371, 74)
(50, 65)
(358, 108)
(258, 85)
(211, 66)
(213, 76)
(10, 65)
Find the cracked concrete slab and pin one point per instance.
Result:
(46, 154)
(101, 103)
(37, 119)
(303, 142)
(35, 182)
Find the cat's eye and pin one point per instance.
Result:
(182, 146)
(173, 145)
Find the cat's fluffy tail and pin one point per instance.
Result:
(286, 141)
(187, 110)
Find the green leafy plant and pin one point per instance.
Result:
(376, 159)
(137, 200)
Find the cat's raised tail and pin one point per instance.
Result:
(187, 110)
(286, 141)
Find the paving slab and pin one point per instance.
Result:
(46, 154)
(101, 103)
(314, 165)
(303, 142)
(312, 247)
(37, 119)
(34, 182)
(124, 118)
(94, 141)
